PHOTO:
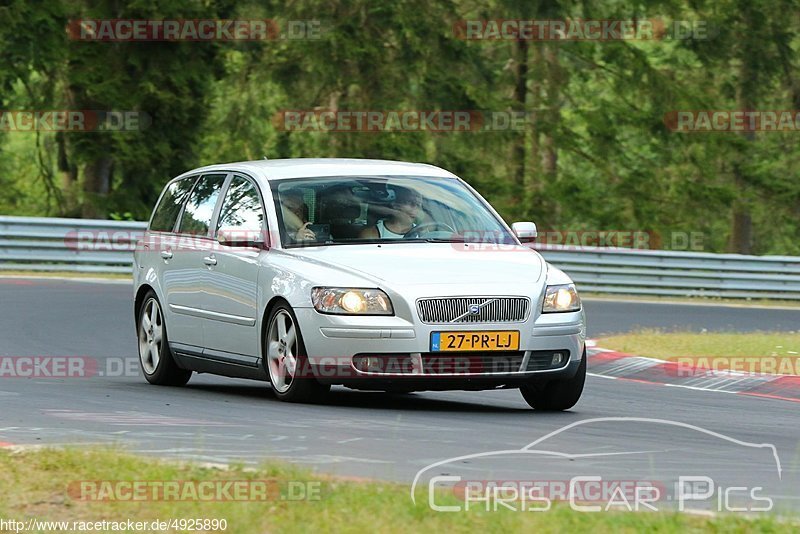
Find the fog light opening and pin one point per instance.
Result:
(373, 364)
(370, 364)
(558, 358)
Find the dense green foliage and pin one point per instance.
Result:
(595, 153)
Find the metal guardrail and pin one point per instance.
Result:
(671, 273)
(72, 245)
(82, 245)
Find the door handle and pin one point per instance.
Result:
(210, 260)
(166, 254)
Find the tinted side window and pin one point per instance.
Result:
(170, 206)
(242, 207)
(197, 214)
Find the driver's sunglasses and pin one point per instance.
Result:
(413, 202)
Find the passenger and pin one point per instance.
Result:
(405, 209)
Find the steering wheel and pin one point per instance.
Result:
(415, 232)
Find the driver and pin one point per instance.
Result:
(295, 216)
(404, 212)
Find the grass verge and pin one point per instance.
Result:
(42, 484)
(759, 352)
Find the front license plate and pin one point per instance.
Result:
(475, 341)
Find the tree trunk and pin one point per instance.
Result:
(520, 99)
(69, 175)
(742, 223)
(741, 219)
(552, 100)
(334, 143)
(533, 184)
(96, 185)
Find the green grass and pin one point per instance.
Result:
(34, 484)
(770, 352)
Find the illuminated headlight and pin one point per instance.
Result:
(351, 301)
(563, 298)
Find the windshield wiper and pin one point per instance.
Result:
(445, 240)
(378, 241)
(366, 242)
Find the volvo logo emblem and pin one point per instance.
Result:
(473, 310)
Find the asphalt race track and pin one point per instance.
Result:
(386, 436)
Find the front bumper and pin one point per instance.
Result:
(332, 342)
(338, 376)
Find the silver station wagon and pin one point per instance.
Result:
(376, 275)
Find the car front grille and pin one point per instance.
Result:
(457, 310)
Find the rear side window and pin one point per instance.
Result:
(199, 209)
(168, 209)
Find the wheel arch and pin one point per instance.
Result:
(274, 301)
(143, 290)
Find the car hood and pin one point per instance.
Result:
(432, 264)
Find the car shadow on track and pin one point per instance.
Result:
(367, 400)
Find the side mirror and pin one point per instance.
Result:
(241, 238)
(525, 231)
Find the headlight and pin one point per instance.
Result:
(563, 298)
(351, 301)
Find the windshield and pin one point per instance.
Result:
(370, 209)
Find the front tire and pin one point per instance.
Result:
(556, 395)
(289, 371)
(155, 357)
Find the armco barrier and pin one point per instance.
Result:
(50, 244)
(660, 272)
(82, 245)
